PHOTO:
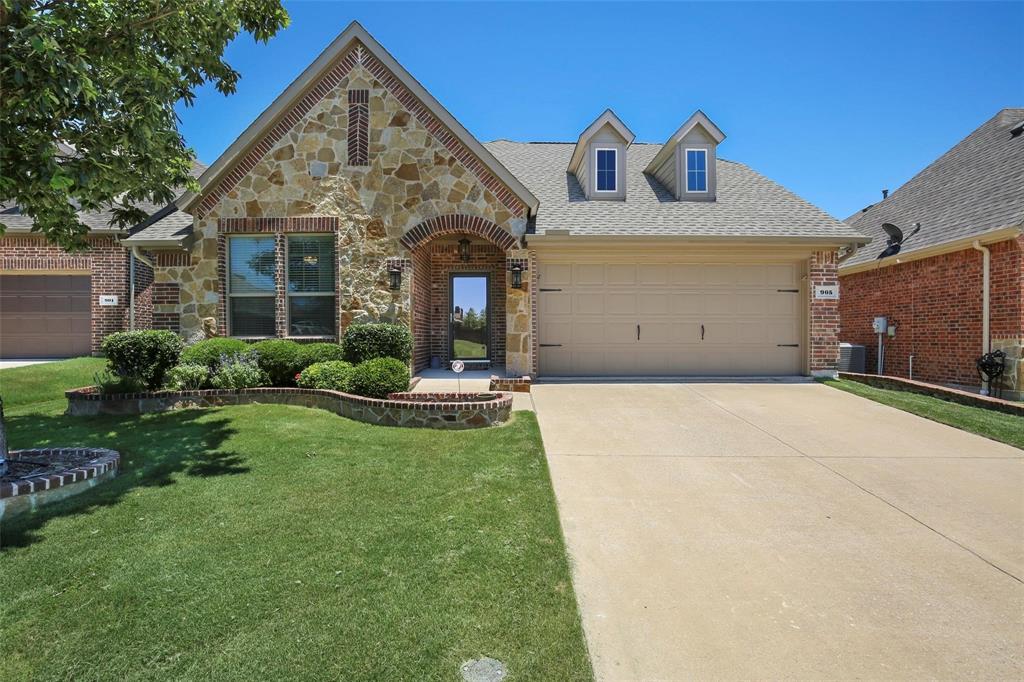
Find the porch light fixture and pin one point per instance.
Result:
(395, 278)
(517, 276)
(464, 250)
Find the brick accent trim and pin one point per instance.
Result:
(329, 81)
(823, 314)
(171, 259)
(534, 296)
(275, 225)
(454, 223)
(358, 127)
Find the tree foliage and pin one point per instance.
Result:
(88, 95)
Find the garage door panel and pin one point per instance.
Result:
(45, 315)
(555, 275)
(743, 314)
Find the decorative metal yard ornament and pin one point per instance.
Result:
(458, 366)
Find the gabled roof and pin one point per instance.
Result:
(748, 204)
(698, 118)
(975, 188)
(608, 117)
(302, 85)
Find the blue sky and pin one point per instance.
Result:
(833, 100)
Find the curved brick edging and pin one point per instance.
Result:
(447, 411)
(26, 494)
(951, 394)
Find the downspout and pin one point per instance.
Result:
(854, 248)
(135, 254)
(985, 285)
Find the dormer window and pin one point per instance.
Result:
(606, 180)
(696, 170)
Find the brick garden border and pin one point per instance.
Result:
(439, 411)
(26, 494)
(951, 394)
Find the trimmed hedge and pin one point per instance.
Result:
(144, 356)
(333, 375)
(209, 351)
(313, 353)
(378, 377)
(279, 358)
(364, 342)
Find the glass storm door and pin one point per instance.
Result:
(470, 331)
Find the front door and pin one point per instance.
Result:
(470, 330)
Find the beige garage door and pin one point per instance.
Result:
(665, 319)
(44, 316)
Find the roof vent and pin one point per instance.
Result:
(885, 194)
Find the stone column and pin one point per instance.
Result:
(823, 315)
(518, 340)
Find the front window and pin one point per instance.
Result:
(311, 274)
(696, 170)
(251, 267)
(606, 180)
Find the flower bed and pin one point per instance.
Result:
(423, 410)
(38, 477)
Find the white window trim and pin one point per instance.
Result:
(227, 287)
(288, 294)
(613, 150)
(686, 171)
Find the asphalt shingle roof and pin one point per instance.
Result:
(748, 204)
(975, 187)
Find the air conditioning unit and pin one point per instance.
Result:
(851, 358)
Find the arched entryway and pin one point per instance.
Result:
(461, 291)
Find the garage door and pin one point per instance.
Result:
(44, 316)
(665, 319)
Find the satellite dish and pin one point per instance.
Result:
(896, 239)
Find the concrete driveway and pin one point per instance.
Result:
(784, 531)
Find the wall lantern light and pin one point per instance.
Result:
(395, 278)
(464, 250)
(517, 277)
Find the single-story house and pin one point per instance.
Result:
(356, 196)
(955, 289)
(57, 304)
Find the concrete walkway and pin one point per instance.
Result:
(11, 364)
(471, 381)
(784, 531)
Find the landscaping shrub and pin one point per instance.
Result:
(108, 382)
(332, 375)
(313, 353)
(143, 355)
(279, 358)
(188, 377)
(364, 342)
(241, 370)
(378, 377)
(208, 351)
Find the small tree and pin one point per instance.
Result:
(89, 90)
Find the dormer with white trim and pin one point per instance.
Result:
(599, 158)
(686, 162)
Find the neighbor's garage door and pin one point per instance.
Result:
(665, 319)
(44, 316)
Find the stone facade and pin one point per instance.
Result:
(406, 171)
(936, 304)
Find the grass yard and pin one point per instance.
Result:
(278, 542)
(1006, 428)
(469, 349)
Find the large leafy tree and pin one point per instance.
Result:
(87, 96)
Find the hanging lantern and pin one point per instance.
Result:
(464, 250)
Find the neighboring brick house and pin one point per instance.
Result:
(969, 201)
(59, 304)
(357, 197)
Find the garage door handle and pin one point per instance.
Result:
(542, 289)
(638, 332)
(702, 332)
(550, 345)
(788, 291)
(787, 345)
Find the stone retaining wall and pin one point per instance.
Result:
(457, 411)
(951, 394)
(22, 495)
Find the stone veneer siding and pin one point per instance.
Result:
(416, 174)
(936, 304)
(823, 315)
(105, 261)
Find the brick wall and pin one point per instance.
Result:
(104, 260)
(166, 302)
(823, 314)
(936, 304)
(143, 295)
(422, 309)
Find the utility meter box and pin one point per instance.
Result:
(880, 325)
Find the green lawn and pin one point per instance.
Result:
(469, 349)
(1006, 428)
(47, 381)
(277, 542)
